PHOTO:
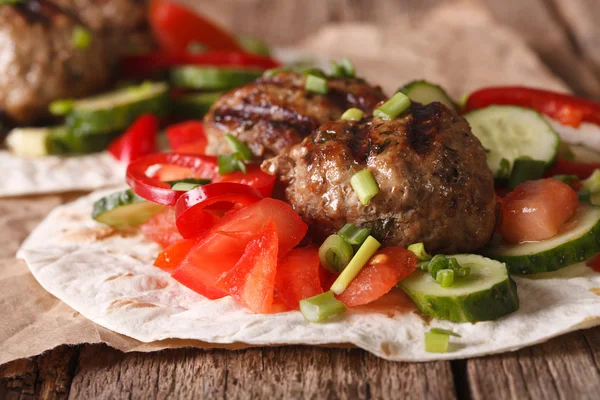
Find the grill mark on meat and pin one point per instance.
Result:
(360, 142)
(303, 127)
(423, 126)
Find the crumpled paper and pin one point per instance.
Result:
(459, 47)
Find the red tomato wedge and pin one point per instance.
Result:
(383, 271)
(298, 276)
(187, 137)
(170, 258)
(251, 282)
(192, 218)
(153, 189)
(254, 177)
(175, 27)
(217, 253)
(594, 263)
(139, 140)
(161, 228)
(566, 167)
(536, 210)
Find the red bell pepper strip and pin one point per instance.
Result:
(138, 141)
(170, 258)
(176, 27)
(254, 177)
(565, 108)
(160, 60)
(192, 218)
(566, 167)
(187, 136)
(154, 190)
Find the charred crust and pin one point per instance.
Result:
(424, 126)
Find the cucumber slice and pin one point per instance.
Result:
(425, 92)
(213, 78)
(124, 209)
(38, 142)
(578, 240)
(64, 141)
(29, 142)
(510, 132)
(488, 293)
(194, 106)
(115, 111)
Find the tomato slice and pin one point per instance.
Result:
(139, 140)
(254, 177)
(251, 282)
(153, 189)
(536, 210)
(170, 258)
(594, 263)
(187, 137)
(298, 276)
(383, 271)
(566, 167)
(192, 218)
(161, 228)
(176, 27)
(218, 252)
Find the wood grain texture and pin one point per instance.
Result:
(563, 368)
(282, 372)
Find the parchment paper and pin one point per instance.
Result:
(460, 47)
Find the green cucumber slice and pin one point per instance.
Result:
(488, 293)
(578, 240)
(213, 78)
(426, 92)
(194, 106)
(29, 142)
(64, 141)
(115, 111)
(124, 209)
(510, 132)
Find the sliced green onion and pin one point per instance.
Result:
(354, 236)
(525, 169)
(444, 332)
(193, 181)
(81, 38)
(393, 107)
(419, 250)
(437, 263)
(348, 67)
(353, 114)
(321, 307)
(314, 71)
(316, 84)
(61, 107)
(568, 179)
(184, 186)
(593, 182)
(254, 45)
(445, 277)
(196, 48)
(504, 172)
(274, 71)
(237, 146)
(335, 254)
(362, 256)
(365, 186)
(337, 71)
(229, 163)
(436, 342)
(459, 270)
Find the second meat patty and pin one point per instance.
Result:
(274, 113)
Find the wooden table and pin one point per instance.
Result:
(565, 34)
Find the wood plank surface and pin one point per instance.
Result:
(566, 35)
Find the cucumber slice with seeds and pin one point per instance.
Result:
(124, 209)
(115, 111)
(213, 78)
(425, 92)
(488, 293)
(578, 240)
(510, 132)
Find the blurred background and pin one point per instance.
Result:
(564, 33)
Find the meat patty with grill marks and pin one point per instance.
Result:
(435, 185)
(276, 112)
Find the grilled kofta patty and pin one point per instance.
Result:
(276, 112)
(435, 185)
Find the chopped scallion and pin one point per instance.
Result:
(184, 186)
(335, 254)
(229, 163)
(419, 250)
(445, 277)
(316, 84)
(362, 256)
(364, 185)
(314, 71)
(237, 146)
(353, 114)
(322, 307)
(393, 107)
(593, 182)
(81, 38)
(444, 332)
(274, 71)
(436, 342)
(354, 236)
(348, 67)
(61, 107)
